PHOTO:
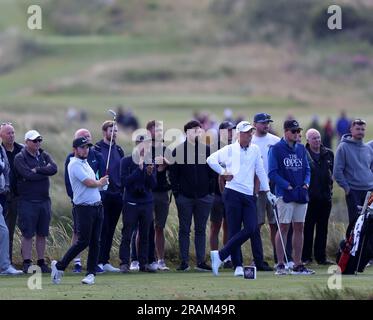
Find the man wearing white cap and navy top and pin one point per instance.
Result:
(242, 160)
(88, 212)
(33, 167)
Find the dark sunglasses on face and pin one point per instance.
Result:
(294, 131)
(37, 140)
(358, 122)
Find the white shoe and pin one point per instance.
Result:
(289, 265)
(11, 271)
(56, 275)
(162, 266)
(238, 272)
(215, 261)
(135, 266)
(153, 266)
(89, 279)
(109, 268)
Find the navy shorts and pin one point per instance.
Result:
(34, 217)
(161, 205)
(217, 213)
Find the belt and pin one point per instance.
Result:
(96, 204)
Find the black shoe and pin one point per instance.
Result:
(44, 268)
(124, 268)
(146, 268)
(264, 267)
(183, 267)
(203, 267)
(228, 264)
(26, 266)
(325, 263)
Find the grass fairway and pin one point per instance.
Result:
(192, 285)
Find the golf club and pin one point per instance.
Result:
(113, 113)
(274, 205)
(365, 207)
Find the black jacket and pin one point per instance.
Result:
(321, 186)
(31, 185)
(12, 176)
(193, 180)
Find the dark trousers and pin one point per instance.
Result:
(317, 215)
(353, 199)
(140, 215)
(151, 245)
(199, 209)
(113, 205)
(89, 223)
(240, 209)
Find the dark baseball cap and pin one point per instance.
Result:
(291, 124)
(81, 142)
(262, 117)
(226, 125)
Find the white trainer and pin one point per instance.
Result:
(215, 262)
(109, 268)
(11, 271)
(135, 266)
(56, 275)
(89, 279)
(153, 266)
(238, 272)
(162, 266)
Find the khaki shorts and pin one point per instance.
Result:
(263, 206)
(291, 212)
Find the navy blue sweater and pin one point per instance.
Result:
(137, 183)
(116, 155)
(31, 185)
(96, 162)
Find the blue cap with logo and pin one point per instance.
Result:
(262, 117)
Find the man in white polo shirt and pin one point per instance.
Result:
(88, 209)
(242, 160)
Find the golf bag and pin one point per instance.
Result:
(357, 248)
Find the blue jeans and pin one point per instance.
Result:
(353, 199)
(240, 209)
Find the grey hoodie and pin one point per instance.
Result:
(353, 167)
(4, 171)
(370, 143)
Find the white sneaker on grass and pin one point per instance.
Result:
(56, 275)
(89, 279)
(215, 262)
(135, 266)
(109, 268)
(162, 266)
(238, 272)
(153, 266)
(11, 271)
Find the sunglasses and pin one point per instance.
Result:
(37, 140)
(359, 122)
(294, 131)
(6, 124)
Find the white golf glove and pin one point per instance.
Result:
(271, 198)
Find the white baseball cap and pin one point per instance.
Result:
(32, 135)
(244, 126)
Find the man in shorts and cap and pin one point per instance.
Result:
(289, 169)
(33, 167)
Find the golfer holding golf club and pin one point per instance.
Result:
(242, 160)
